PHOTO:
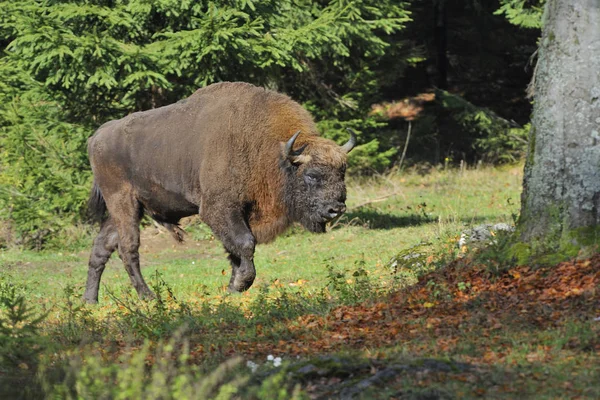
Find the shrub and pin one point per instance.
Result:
(20, 342)
(44, 173)
(164, 371)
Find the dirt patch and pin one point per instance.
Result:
(155, 240)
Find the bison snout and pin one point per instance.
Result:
(334, 210)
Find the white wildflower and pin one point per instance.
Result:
(252, 365)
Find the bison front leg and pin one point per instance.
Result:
(242, 273)
(240, 246)
(239, 242)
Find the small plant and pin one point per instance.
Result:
(78, 321)
(463, 286)
(20, 341)
(499, 254)
(410, 263)
(279, 302)
(351, 287)
(164, 371)
(153, 318)
(437, 290)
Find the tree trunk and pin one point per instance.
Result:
(440, 16)
(561, 187)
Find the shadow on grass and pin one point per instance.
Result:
(374, 219)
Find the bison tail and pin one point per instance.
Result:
(96, 205)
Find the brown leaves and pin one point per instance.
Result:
(448, 304)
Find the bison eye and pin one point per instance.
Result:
(312, 178)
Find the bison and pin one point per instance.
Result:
(248, 160)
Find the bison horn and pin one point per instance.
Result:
(289, 152)
(351, 142)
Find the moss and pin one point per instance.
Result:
(530, 153)
(585, 236)
(551, 250)
(519, 252)
(581, 242)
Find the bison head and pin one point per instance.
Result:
(315, 188)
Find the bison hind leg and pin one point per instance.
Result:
(104, 245)
(126, 212)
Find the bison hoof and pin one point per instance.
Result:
(90, 301)
(146, 295)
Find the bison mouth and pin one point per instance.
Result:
(317, 227)
(316, 221)
(317, 224)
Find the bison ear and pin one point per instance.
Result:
(295, 156)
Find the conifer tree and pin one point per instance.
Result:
(68, 66)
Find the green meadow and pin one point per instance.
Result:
(383, 305)
(386, 214)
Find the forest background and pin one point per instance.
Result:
(425, 82)
(417, 292)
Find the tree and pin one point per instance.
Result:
(524, 13)
(561, 190)
(67, 66)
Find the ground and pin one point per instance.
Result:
(384, 305)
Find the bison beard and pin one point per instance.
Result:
(250, 161)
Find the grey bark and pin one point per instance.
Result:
(561, 188)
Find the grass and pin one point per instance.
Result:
(422, 208)
(342, 319)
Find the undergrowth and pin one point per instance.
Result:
(158, 371)
(77, 365)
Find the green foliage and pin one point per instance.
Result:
(75, 320)
(199, 231)
(171, 376)
(20, 341)
(374, 153)
(350, 286)
(153, 318)
(88, 374)
(44, 174)
(508, 249)
(492, 138)
(410, 263)
(369, 157)
(67, 67)
(279, 303)
(523, 13)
